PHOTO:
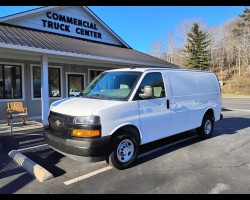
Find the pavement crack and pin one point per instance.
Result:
(194, 169)
(230, 166)
(240, 146)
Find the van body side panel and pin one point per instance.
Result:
(115, 114)
(193, 93)
(209, 90)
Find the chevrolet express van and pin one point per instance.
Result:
(122, 109)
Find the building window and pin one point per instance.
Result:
(75, 84)
(37, 82)
(93, 74)
(54, 82)
(10, 82)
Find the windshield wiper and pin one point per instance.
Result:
(98, 96)
(84, 95)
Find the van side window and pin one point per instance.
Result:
(154, 80)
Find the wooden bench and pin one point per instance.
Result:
(17, 110)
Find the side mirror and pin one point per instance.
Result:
(148, 92)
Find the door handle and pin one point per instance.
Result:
(167, 103)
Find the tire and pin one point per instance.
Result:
(123, 151)
(206, 129)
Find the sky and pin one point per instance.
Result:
(140, 26)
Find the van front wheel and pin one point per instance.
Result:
(206, 129)
(124, 150)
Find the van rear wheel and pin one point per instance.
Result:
(206, 129)
(124, 150)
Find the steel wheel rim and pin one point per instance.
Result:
(208, 127)
(125, 150)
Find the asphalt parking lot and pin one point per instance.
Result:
(179, 164)
(237, 103)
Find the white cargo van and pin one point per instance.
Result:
(125, 108)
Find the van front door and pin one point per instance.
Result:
(153, 112)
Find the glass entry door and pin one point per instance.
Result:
(75, 84)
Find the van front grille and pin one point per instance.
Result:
(61, 125)
(64, 118)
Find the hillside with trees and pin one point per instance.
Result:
(224, 50)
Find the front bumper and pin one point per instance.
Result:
(86, 147)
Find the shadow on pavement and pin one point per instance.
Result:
(16, 184)
(225, 126)
(166, 141)
(45, 157)
(230, 125)
(9, 168)
(48, 158)
(226, 109)
(8, 143)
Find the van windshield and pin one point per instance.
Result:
(112, 85)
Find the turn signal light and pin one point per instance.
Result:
(85, 133)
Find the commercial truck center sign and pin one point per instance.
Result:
(83, 27)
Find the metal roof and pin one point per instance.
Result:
(38, 41)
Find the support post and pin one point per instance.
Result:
(45, 89)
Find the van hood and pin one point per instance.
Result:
(77, 106)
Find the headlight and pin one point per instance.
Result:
(87, 120)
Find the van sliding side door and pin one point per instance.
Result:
(184, 104)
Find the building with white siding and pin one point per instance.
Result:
(53, 52)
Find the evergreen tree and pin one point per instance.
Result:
(197, 49)
(243, 29)
(246, 17)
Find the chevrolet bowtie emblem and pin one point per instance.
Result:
(57, 122)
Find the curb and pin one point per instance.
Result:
(235, 109)
(34, 169)
(31, 130)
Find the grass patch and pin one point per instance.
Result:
(237, 86)
(235, 96)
